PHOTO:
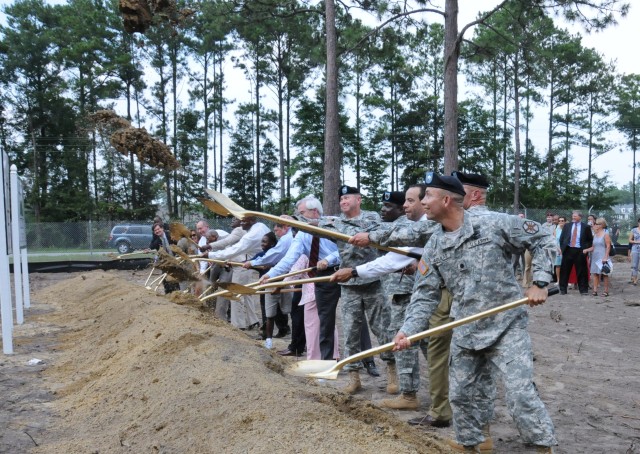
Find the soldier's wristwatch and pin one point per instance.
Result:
(354, 272)
(540, 284)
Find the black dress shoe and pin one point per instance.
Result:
(283, 332)
(428, 421)
(288, 352)
(372, 369)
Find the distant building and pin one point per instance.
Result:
(624, 212)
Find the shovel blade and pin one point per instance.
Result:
(236, 288)
(314, 368)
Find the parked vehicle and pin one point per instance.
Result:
(126, 238)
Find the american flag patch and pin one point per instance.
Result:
(423, 267)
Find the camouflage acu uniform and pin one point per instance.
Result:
(397, 289)
(475, 266)
(360, 296)
(436, 349)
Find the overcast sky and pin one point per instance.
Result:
(616, 43)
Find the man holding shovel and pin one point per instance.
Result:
(361, 299)
(323, 254)
(470, 255)
(397, 275)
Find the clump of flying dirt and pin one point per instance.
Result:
(178, 270)
(129, 140)
(179, 231)
(185, 299)
(180, 253)
(138, 15)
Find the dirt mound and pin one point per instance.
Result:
(136, 372)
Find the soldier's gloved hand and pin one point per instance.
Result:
(402, 342)
(342, 275)
(360, 239)
(536, 295)
(322, 265)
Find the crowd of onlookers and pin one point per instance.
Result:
(585, 250)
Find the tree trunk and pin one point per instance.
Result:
(358, 82)
(285, 208)
(281, 132)
(516, 160)
(174, 88)
(550, 132)
(207, 114)
(633, 181)
(220, 112)
(258, 126)
(332, 150)
(590, 155)
(451, 53)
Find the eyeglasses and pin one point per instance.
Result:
(598, 223)
(193, 234)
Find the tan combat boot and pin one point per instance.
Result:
(354, 384)
(457, 447)
(392, 379)
(405, 401)
(486, 447)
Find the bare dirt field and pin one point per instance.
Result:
(126, 370)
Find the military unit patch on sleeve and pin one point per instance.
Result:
(530, 227)
(423, 267)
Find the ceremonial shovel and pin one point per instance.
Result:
(225, 205)
(329, 369)
(121, 256)
(226, 293)
(219, 262)
(244, 290)
(178, 231)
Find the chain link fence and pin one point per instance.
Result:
(100, 236)
(97, 236)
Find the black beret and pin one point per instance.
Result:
(432, 180)
(472, 179)
(344, 190)
(396, 197)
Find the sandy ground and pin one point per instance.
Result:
(125, 370)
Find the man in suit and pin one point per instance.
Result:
(575, 238)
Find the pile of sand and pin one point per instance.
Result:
(138, 373)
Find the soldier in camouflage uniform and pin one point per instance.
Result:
(360, 296)
(435, 349)
(396, 272)
(471, 255)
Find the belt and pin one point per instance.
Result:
(328, 272)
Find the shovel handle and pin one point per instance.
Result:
(438, 330)
(255, 284)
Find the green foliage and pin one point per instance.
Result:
(239, 174)
(59, 63)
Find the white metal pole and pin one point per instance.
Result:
(5, 281)
(26, 286)
(15, 244)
